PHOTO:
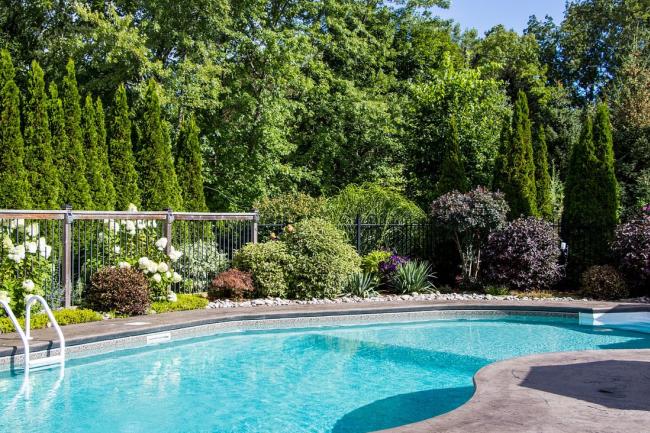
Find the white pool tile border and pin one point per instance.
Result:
(234, 326)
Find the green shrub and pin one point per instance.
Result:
(63, 317)
(413, 277)
(183, 302)
(496, 290)
(231, 284)
(270, 265)
(323, 260)
(122, 290)
(362, 284)
(202, 262)
(370, 262)
(291, 207)
(603, 282)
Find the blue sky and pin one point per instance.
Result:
(484, 14)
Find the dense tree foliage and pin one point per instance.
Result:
(14, 186)
(515, 169)
(189, 166)
(121, 158)
(158, 181)
(542, 176)
(39, 158)
(314, 96)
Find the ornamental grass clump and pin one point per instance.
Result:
(119, 290)
(523, 256)
(362, 285)
(412, 277)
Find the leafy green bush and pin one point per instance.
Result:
(122, 290)
(183, 302)
(202, 261)
(496, 290)
(323, 260)
(370, 262)
(413, 276)
(291, 207)
(232, 284)
(362, 284)
(603, 282)
(63, 317)
(270, 264)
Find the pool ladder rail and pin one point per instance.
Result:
(46, 361)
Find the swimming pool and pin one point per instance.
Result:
(334, 379)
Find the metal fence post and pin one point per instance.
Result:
(167, 230)
(67, 255)
(358, 233)
(256, 222)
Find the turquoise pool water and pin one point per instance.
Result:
(351, 379)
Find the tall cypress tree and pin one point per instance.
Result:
(452, 172)
(14, 185)
(608, 194)
(102, 152)
(158, 181)
(45, 185)
(91, 153)
(542, 177)
(189, 167)
(515, 168)
(121, 159)
(73, 173)
(580, 218)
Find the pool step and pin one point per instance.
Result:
(45, 362)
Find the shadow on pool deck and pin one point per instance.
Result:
(599, 382)
(402, 409)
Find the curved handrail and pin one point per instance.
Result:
(31, 300)
(19, 328)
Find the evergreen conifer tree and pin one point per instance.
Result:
(73, 172)
(542, 176)
(43, 175)
(158, 182)
(580, 217)
(189, 167)
(515, 167)
(91, 153)
(121, 159)
(608, 194)
(452, 172)
(102, 151)
(14, 185)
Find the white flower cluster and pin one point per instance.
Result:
(158, 270)
(4, 296)
(17, 253)
(28, 286)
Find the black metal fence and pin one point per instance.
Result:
(60, 250)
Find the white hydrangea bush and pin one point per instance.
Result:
(25, 265)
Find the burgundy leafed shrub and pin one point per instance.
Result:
(124, 291)
(231, 284)
(523, 256)
(603, 282)
(631, 247)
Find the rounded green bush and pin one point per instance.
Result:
(270, 264)
(604, 282)
(323, 260)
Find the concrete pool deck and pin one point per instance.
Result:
(604, 391)
(591, 391)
